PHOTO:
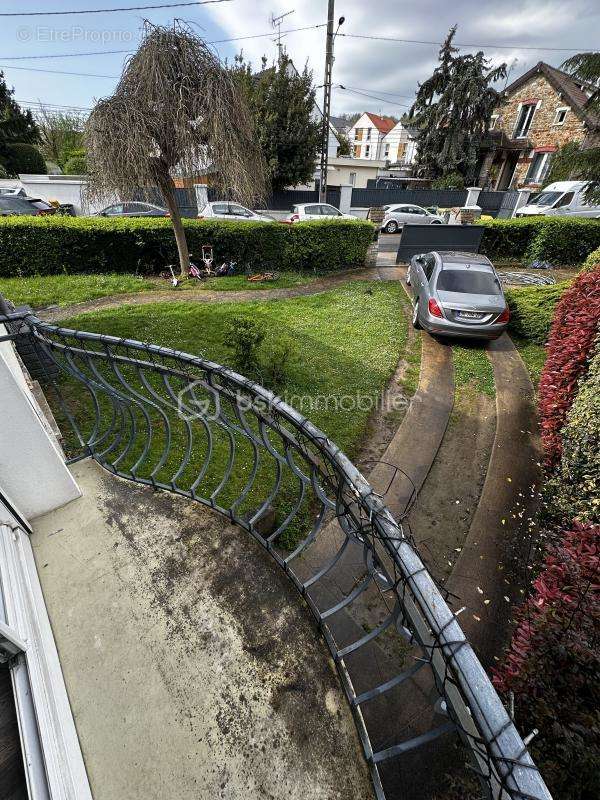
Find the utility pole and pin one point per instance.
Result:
(326, 102)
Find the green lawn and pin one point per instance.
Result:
(345, 342)
(472, 368)
(65, 290)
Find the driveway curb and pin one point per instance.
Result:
(506, 505)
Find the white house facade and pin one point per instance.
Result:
(367, 137)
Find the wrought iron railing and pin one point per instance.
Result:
(180, 423)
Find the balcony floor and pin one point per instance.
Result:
(192, 667)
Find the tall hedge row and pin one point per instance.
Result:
(53, 245)
(559, 240)
(570, 347)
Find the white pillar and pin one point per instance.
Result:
(33, 473)
(522, 199)
(345, 198)
(473, 193)
(201, 190)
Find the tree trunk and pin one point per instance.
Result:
(167, 188)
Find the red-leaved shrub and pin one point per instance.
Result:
(574, 328)
(553, 665)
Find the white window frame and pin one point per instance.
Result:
(559, 111)
(53, 762)
(367, 151)
(368, 134)
(542, 170)
(516, 133)
(352, 179)
(386, 150)
(493, 120)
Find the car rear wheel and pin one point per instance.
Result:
(435, 222)
(415, 316)
(391, 227)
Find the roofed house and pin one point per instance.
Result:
(367, 136)
(542, 110)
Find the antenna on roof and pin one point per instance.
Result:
(276, 23)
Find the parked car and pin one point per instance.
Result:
(457, 294)
(132, 209)
(16, 204)
(19, 191)
(223, 209)
(308, 211)
(562, 198)
(406, 214)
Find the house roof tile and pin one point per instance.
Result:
(383, 124)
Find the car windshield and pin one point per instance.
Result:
(468, 281)
(545, 199)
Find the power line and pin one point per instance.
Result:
(391, 94)
(126, 52)
(373, 97)
(106, 10)
(464, 44)
(58, 72)
(39, 104)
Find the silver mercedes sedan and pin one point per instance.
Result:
(457, 294)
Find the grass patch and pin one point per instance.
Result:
(534, 358)
(347, 341)
(66, 290)
(473, 369)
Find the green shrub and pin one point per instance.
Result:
(23, 159)
(453, 180)
(76, 163)
(508, 238)
(532, 310)
(574, 492)
(592, 260)
(244, 337)
(559, 240)
(53, 245)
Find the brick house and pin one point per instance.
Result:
(542, 110)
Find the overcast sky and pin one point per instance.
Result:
(390, 71)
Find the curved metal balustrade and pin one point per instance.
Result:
(186, 425)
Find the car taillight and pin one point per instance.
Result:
(434, 308)
(504, 316)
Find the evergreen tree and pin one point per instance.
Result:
(585, 164)
(452, 112)
(16, 125)
(282, 101)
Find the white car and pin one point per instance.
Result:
(407, 214)
(560, 199)
(223, 209)
(308, 211)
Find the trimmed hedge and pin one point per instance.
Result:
(532, 310)
(553, 662)
(592, 260)
(570, 348)
(53, 245)
(574, 492)
(559, 240)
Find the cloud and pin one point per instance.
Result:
(397, 68)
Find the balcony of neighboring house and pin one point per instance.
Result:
(202, 597)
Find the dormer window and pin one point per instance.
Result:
(561, 115)
(524, 119)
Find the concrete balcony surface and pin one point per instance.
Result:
(192, 667)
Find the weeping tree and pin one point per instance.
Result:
(452, 112)
(585, 162)
(175, 111)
